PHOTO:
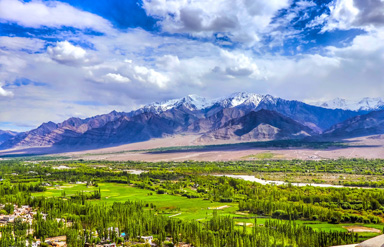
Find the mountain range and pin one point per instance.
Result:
(239, 117)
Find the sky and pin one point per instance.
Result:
(80, 58)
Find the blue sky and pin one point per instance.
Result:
(60, 59)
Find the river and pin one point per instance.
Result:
(264, 182)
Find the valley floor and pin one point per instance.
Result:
(183, 148)
(367, 147)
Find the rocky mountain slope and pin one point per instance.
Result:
(124, 130)
(51, 133)
(6, 135)
(368, 124)
(260, 125)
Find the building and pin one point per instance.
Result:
(147, 239)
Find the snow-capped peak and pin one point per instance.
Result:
(240, 98)
(337, 103)
(195, 102)
(192, 102)
(371, 103)
(365, 104)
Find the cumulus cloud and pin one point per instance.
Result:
(369, 44)
(347, 14)
(146, 75)
(343, 14)
(371, 12)
(37, 13)
(134, 75)
(66, 53)
(242, 20)
(237, 65)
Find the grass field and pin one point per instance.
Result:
(182, 207)
(188, 208)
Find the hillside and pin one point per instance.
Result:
(364, 125)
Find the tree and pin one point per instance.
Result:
(9, 208)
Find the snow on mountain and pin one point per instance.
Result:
(371, 104)
(195, 102)
(337, 103)
(192, 102)
(365, 104)
(241, 98)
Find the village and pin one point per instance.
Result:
(26, 215)
(10, 213)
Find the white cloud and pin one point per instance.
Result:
(348, 72)
(242, 20)
(347, 14)
(343, 14)
(305, 4)
(168, 62)
(239, 65)
(5, 93)
(117, 78)
(66, 53)
(11, 63)
(318, 20)
(368, 44)
(118, 69)
(37, 13)
(19, 43)
(146, 75)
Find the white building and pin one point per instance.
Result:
(147, 239)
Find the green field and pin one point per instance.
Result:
(168, 204)
(181, 207)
